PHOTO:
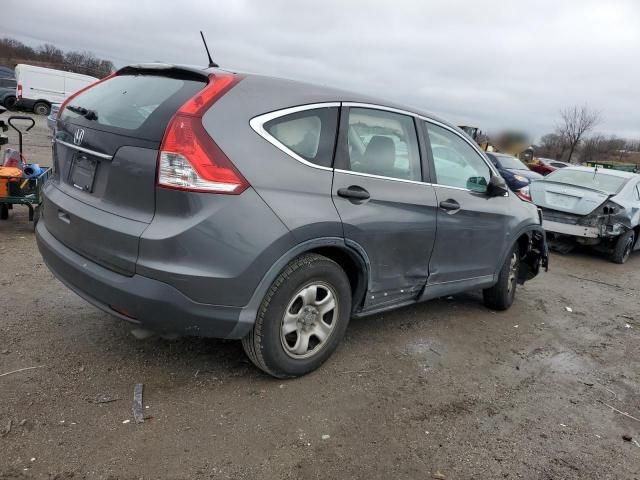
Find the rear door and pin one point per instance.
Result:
(385, 204)
(471, 225)
(102, 194)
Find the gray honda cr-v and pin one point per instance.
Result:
(203, 202)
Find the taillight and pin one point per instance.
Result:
(19, 91)
(84, 89)
(610, 208)
(524, 194)
(189, 158)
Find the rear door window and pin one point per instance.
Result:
(456, 163)
(382, 143)
(309, 134)
(136, 105)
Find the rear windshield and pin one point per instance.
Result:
(131, 103)
(610, 184)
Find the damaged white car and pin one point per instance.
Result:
(590, 206)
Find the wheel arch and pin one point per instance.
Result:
(349, 255)
(36, 102)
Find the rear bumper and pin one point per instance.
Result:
(574, 230)
(150, 303)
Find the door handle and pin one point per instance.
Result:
(449, 205)
(355, 192)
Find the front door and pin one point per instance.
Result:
(472, 226)
(384, 204)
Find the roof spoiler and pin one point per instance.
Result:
(181, 71)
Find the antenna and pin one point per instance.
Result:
(212, 64)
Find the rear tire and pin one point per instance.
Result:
(10, 103)
(41, 108)
(4, 211)
(624, 247)
(302, 318)
(501, 295)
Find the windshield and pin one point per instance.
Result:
(610, 184)
(507, 161)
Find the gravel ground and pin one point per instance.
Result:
(446, 389)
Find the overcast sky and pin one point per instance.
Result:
(493, 64)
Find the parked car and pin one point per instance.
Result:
(8, 93)
(53, 115)
(203, 202)
(6, 72)
(516, 183)
(600, 208)
(544, 166)
(514, 165)
(39, 87)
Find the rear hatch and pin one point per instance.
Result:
(102, 195)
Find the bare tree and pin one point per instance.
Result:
(47, 55)
(50, 53)
(576, 121)
(552, 145)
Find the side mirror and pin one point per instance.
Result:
(497, 186)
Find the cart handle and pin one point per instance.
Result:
(21, 117)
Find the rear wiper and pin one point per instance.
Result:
(86, 113)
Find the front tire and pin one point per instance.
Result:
(501, 295)
(302, 318)
(624, 247)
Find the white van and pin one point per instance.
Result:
(39, 87)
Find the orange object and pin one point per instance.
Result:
(8, 174)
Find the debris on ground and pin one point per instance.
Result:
(326, 437)
(7, 430)
(138, 414)
(20, 370)
(438, 475)
(627, 438)
(568, 309)
(105, 398)
(620, 411)
(126, 421)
